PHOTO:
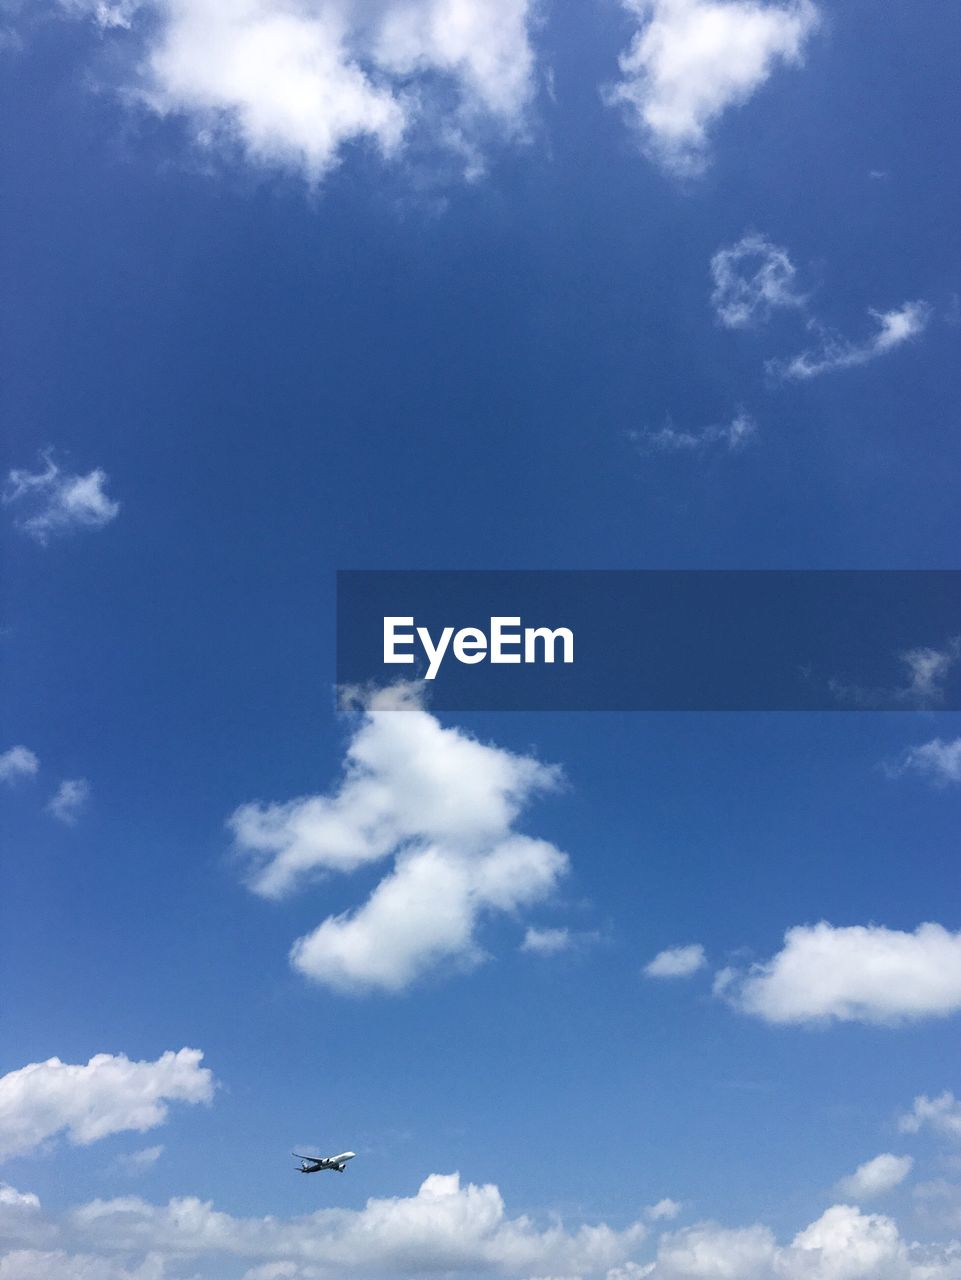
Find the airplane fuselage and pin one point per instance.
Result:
(310, 1164)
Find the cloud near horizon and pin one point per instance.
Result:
(438, 803)
(451, 1228)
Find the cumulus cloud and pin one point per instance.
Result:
(863, 973)
(69, 800)
(51, 501)
(438, 802)
(446, 1227)
(16, 763)
(454, 1229)
(677, 962)
(733, 435)
(752, 279)
(110, 1094)
(35, 1264)
(943, 1114)
(894, 328)
(843, 1244)
(938, 760)
(292, 85)
(691, 60)
(876, 1177)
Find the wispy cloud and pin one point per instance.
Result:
(894, 329)
(547, 942)
(136, 1163)
(732, 436)
(938, 760)
(691, 60)
(16, 763)
(555, 942)
(69, 800)
(51, 501)
(752, 279)
(927, 670)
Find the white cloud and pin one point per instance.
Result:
(69, 800)
(753, 278)
(943, 1114)
(926, 673)
(547, 942)
(57, 502)
(928, 669)
(937, 760)
(110, 1094)
(855, 974)
(18, 762)
(691, 60)
(35, 1264)
(442, 805)
(733, 435)
(663, 1211)
(21, 1218)
(293, 84)
(137, 1162)
(715, 1253)
(446, 1228)
(894, 328)
(677, 962)
(843, 1244)
(876, 1177)
(10, 1197)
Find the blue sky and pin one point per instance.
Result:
(292, 288)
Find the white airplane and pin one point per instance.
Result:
(317, 1164)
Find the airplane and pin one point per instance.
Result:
(317, 1164)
